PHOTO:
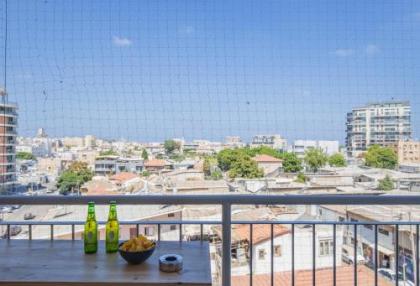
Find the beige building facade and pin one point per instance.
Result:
(408, 151)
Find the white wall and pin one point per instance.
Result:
(303, 252)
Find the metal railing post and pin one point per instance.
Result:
(226, 244)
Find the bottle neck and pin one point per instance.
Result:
(112, 212)
(91, 213)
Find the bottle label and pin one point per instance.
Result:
(89, 236)
(111, 235)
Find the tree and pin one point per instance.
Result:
(381, 157)
(315, 158)
(109, 152)
(145, 155)
(227, 157)
(73, 177)
(210, 168)
(337, 160)
(263, 150)
(170, 146)
(245, 167)
(386, 184)
(177, 157)
(209, 164)
(216, 174)
(301, 178)
(25, 156)
(291, 163)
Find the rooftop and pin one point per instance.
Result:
(155, 163)
(123, 176)
(266, 159)
(345, 277)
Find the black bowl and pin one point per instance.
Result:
(136, 257)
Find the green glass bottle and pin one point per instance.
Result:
(112, 229)
(91, 230)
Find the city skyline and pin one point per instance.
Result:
(207, 70)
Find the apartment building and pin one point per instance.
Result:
(107, 165)
(8, 133)
(408, 152)
(274, 141)
(379, 123)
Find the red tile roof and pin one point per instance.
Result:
(123, 176)
(155, 163)
(324, 277)
(260, 232)
(266, 159)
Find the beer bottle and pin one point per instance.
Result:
(91, 230)
(112, 229)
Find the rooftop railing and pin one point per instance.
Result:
(226, 202)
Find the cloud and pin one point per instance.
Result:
(121, 41)
(344, 53)
(372, 50)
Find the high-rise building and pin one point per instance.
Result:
(8, 133)
(379, 123)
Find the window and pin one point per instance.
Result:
(172, 227)
(326, 247)
(149, 231)
(277, 250)
(261, 254)
(171, 215)
(368, 226)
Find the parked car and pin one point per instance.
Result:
(390, 275)
(28, 216)
(349, 259)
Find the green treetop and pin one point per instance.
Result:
(109, 152)
(73, 177)
(170, 146)
(337, 160)
(315, 159)
(145, 155)
(25, 156)
(291, 163)
(386, 184)
(381, 157)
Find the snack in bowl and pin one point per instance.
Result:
(137, 250)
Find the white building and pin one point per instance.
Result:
(274, 141)
(282, 245)
(234, 142)
(90, 141)
(328, 147)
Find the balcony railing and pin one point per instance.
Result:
(226, 202)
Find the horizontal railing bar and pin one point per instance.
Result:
(195, 222)
(141, 222)
(328, 222)
(216, 200)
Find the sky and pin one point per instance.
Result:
(151, 70)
